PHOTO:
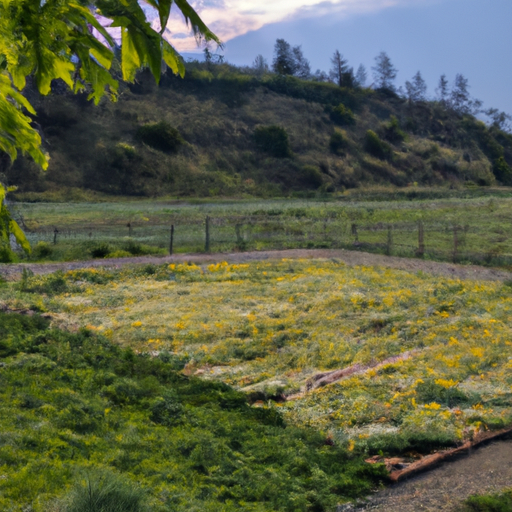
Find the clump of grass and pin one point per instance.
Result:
(501, 502)
(105, 491)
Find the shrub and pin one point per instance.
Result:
(161, 136)
(100, 251)
(342, 115)
(166, 409)
(392, 131)
(337, 143)
(42, 250)
(6, 254)
(377, 147)
(311, 176)
(502, 171)
(273, 139)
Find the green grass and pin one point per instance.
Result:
(481, 222)
(501, 502)
(267, 327)
(83, 420)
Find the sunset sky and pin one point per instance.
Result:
(472, 37)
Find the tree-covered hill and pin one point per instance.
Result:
(229, 131)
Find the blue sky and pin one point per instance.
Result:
(472, 37)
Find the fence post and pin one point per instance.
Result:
(207, 237)
(171, 242)
(129, 226)
(55, 233)
(421, 240)
(354, 232)
(455, 242)
(389, 246)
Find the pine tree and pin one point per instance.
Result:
(284, 61)
(339, 68)
(302, 68)
(417, 89)
(384, 73)
(260, 65)
(361, 76)
(442, 91)
(460, 99)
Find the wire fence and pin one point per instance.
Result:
(437, 240)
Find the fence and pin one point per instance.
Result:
(439, 241)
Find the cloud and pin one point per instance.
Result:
(232, 18)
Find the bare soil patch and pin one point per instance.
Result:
(471, 272)
(486, 470)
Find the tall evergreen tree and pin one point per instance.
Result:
(260, 65)
(361, 76)
(443, 94)
(417, 89)
(339, 69)
(302, 68)
(460, 99)
(284, 61)
(384, 73)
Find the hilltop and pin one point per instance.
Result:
(226, 131)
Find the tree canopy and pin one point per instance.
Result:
(53, 39)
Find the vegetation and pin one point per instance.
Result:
(488, 503)
(268, 327)
(161, 136)
(219, 110)
(322, 221)
(273, 140)
(88, 425)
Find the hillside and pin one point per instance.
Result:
(334, 138)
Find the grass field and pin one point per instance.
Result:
(268, 327)
(85, 230)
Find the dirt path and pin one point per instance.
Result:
(486, 470)
(473, 272)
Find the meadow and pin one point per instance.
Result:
(459, 225)
(267, 328)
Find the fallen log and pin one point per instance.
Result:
(432, 460)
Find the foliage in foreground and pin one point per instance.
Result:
(267, 327)
(488, 503)
(83, 419)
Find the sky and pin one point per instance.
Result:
(472, 37)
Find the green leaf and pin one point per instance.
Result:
(164, 10)
(173, 59)
(19, 235)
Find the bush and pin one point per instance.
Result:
(337, 143)
(100, 251)
(6, 254)
(342, 115)
(377, 147)
(311, 176)
(42, 250)
(273, 139)
(161, 136)
(392, 131)
(105, 492)
(502, 171)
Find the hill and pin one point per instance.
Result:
(226, 131)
